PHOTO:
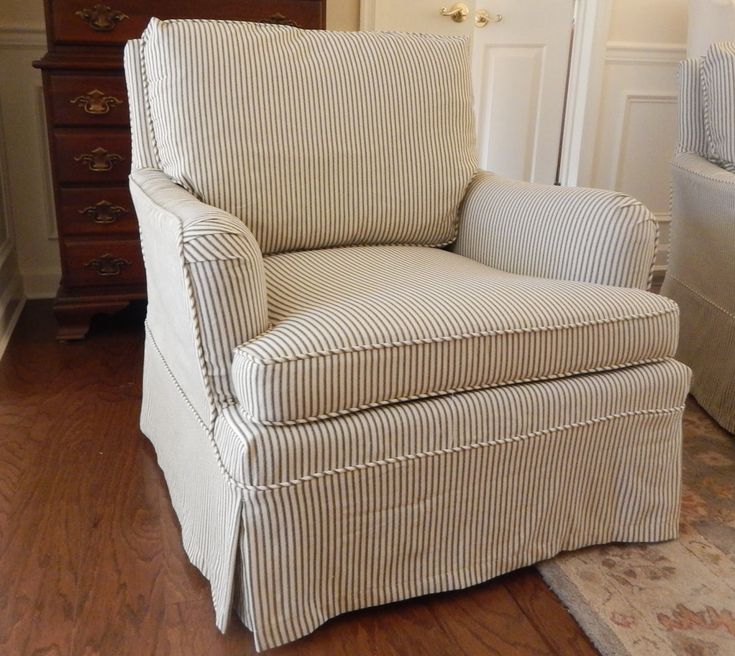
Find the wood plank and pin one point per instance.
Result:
(486, 620)
(91, 560)
(548, 616)
(42, 534)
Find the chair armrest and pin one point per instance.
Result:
(206, 287)
(702, 257)
(568, 233)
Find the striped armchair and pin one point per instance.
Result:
(372, 371)
(701, 272)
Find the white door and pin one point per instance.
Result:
(520, 61)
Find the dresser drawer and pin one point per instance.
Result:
(109, 22)
(298, 13)
(100, 156)
(102, 262)
(113, 22)
(96, 211)
(88, 100)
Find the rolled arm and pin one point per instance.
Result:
(206, 287)
(567, 233)
(702, 260)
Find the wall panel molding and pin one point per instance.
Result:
(11, 284)
(22, 36)
(630, 100)
(636, 132)
(7, 230)
(636, 52)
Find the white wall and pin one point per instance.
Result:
(709, 21)
(21, 25)
(636, 133)
(649, 21)
(22, 40)
(29, 179)
(343, 14)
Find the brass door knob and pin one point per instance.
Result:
(458, 12)
(483, 18)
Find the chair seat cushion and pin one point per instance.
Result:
(361, 327)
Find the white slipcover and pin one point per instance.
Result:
(298, 520)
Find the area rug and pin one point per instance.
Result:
(668, 598)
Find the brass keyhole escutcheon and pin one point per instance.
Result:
(483, 18)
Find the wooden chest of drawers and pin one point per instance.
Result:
(88, 128)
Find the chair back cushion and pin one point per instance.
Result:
(315, 139)
(718, 85)
(692, 135)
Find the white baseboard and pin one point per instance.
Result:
(14, 297)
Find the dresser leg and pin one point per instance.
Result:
(74, 315)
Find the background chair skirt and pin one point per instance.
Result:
(512, 475)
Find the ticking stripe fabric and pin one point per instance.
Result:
(208, 508)
(718, 86)
(358, 327)
(568, 233)
(692, 136)
(295, 525)
(701, 279)
(144, 152)
(314, 138)
(274, 456)
(499, 479)
(295, 507)
(206, 285)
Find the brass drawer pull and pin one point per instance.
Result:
(99, 160)
(101, 18)
(107, 265)
(104, 212)
(96, 102)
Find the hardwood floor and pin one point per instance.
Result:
(91, 561)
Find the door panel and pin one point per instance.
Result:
(507, 92)
(519, 74)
